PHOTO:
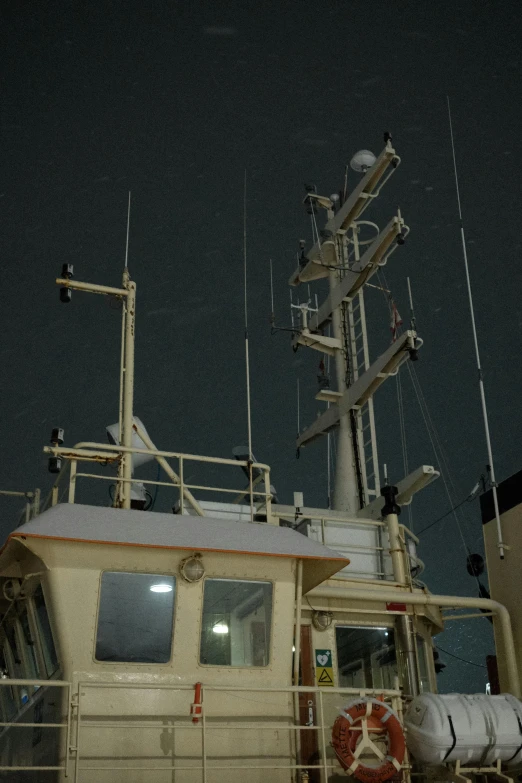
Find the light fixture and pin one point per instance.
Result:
(220, 628)
(321, 620)
(192, 570)
(362, 161)
(161, 587)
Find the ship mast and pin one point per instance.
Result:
(348, 261)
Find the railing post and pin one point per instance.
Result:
(54, 495)
(72, 480)
(268, 499)
(323, 738)
(181, 489)
(203, 736)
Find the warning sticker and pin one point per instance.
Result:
(323, 668)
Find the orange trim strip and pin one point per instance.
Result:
(182, 548)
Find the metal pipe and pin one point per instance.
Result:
(91, 287)
(427, 599)
(297, 644)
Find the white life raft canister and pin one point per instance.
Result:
(475, 729)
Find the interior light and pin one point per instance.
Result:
(161, 587)
(220, 628)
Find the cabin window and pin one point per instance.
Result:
(7, 693)
(424, 676)
(30, 652)
(237, 617)
(13, 647)
(44, 629)
(135, 617)
(366, 657)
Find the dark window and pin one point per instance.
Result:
(236, 623)
(8, 697)
(44, 628)
(135, 618)
(30, 653)
(366, 657)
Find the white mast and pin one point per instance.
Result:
(336, 255)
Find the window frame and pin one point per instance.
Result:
(227, 667)
(41, 643)
(174, 613)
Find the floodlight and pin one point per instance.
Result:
(362, 161)
(220, 628)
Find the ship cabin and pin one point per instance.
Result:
(141, 646)
(127, 637)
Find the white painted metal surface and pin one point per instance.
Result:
(477, 729)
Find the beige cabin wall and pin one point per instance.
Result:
(73, 594)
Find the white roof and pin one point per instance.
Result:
(98, 525)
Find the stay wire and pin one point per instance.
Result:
(471, 663)
(434, 440)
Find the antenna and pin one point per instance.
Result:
(298, 410)
(500, 542)
(412, 311)
(272, 314)
(128, 227)
(247, 360)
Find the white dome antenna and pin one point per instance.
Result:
(362, 161)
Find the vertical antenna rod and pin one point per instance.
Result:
(127, 373)
(247, 360)
(500, 542)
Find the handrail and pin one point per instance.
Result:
(90, 451)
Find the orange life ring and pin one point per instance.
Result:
(344, 739)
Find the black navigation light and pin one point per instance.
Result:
(55, 463)
(65, 292)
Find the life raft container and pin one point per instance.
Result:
(346, 739)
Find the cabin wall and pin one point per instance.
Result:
(166, 735)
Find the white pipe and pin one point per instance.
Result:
(297, 646)
(426, 599)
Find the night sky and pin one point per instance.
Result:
(173, 101)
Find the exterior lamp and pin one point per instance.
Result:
(192, 570)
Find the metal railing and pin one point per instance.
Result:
(205, 724)
(324, 524)
(16, 722)
(75, 750)
(111, 455)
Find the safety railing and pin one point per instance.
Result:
(370, 559)
(217, 719)
(16, 719)
(78, 752)
(257, 493)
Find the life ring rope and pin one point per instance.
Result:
(349, 742)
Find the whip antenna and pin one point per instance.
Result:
(247, 360)
(128, 227)
(500, 542)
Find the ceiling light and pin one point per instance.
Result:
(161, 587)
(220, 628)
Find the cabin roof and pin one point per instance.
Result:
(118, 527)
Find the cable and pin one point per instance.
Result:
(471, 663)
(443, 516)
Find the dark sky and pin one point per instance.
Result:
(173, 101)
